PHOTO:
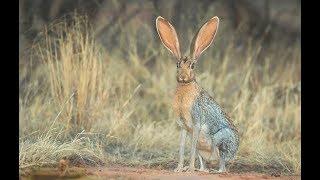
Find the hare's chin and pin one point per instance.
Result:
(185, 81)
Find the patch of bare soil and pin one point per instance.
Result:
(140, 173)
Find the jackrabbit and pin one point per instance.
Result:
(214, 137)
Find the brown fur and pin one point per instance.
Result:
(203, 144)
(183, 99)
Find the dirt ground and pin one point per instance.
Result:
(140, 173)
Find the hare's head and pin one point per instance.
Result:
(201, 41)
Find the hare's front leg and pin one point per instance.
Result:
(202, 164)
(183, 134)
(195, 136)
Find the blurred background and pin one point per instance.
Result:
(269, 19)
(96, 84)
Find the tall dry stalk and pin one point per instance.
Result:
(74, 67)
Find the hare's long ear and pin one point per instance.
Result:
(204, 37)
(168, 36)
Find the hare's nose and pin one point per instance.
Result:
(183, 77)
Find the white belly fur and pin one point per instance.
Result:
(208, 156)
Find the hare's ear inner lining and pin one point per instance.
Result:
(204, 37)
(168, 36)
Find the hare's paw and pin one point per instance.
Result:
(220, 171)
(178, 169)
(203, 170)
(188, 169)
(181, 169)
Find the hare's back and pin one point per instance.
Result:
(207, 111)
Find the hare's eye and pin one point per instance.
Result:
(192, 65)
(178, 64)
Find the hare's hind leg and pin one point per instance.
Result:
(227, 144)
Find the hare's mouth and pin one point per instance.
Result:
(185, 81)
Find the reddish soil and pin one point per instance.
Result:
(143, 173)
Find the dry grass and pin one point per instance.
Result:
(114, 106)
